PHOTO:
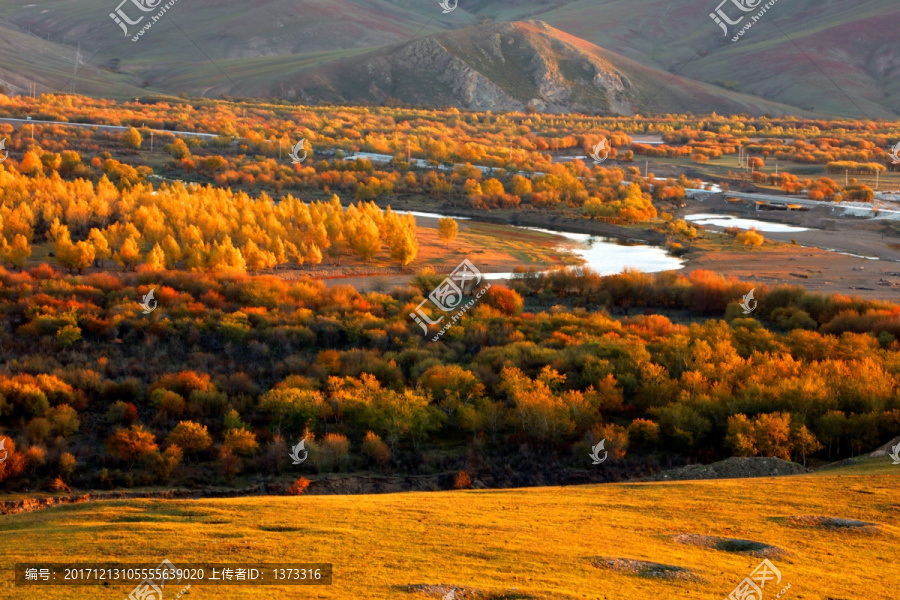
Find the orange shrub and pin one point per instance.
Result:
(462, 481)
(298, 487)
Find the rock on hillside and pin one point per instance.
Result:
(732, 468)
(886, 449)
(510, 66)
(498, 67)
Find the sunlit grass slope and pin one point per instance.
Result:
(523, 543)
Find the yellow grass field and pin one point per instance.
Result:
(522, 543)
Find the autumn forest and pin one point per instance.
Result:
(248, 352)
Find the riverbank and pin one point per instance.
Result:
(835, 254)
(534, 218)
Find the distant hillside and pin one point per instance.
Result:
(501, 66)
(829, 57)
(200, 30)
(27, 59)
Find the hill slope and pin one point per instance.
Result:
(834, 57)
(540, 543)
(501, 66)
(50, 66)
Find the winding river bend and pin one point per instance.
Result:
(606, 256)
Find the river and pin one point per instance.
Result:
(606, 256)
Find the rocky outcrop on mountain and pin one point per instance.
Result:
(469, 87)
(503, 67)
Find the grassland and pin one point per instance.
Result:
(520, 543)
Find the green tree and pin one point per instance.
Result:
(241, 441)
(741, 438)
(401, 416)
(804, 442)
(190, 436)
(540, 413)
(164, 463)
(643, 435)
(773, 435)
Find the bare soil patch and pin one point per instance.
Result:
(440, 590)
(731, 468)
(734, 545)
(834, 523)
(643, 568)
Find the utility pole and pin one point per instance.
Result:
(408, 152)
(877, 173)
(847, 177)
(646, 168)
(151, 140)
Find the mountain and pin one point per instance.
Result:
(500, 66)
(837, 57)
(27, 60)
(829, 57)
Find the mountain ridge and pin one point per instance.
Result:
(806, 57)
